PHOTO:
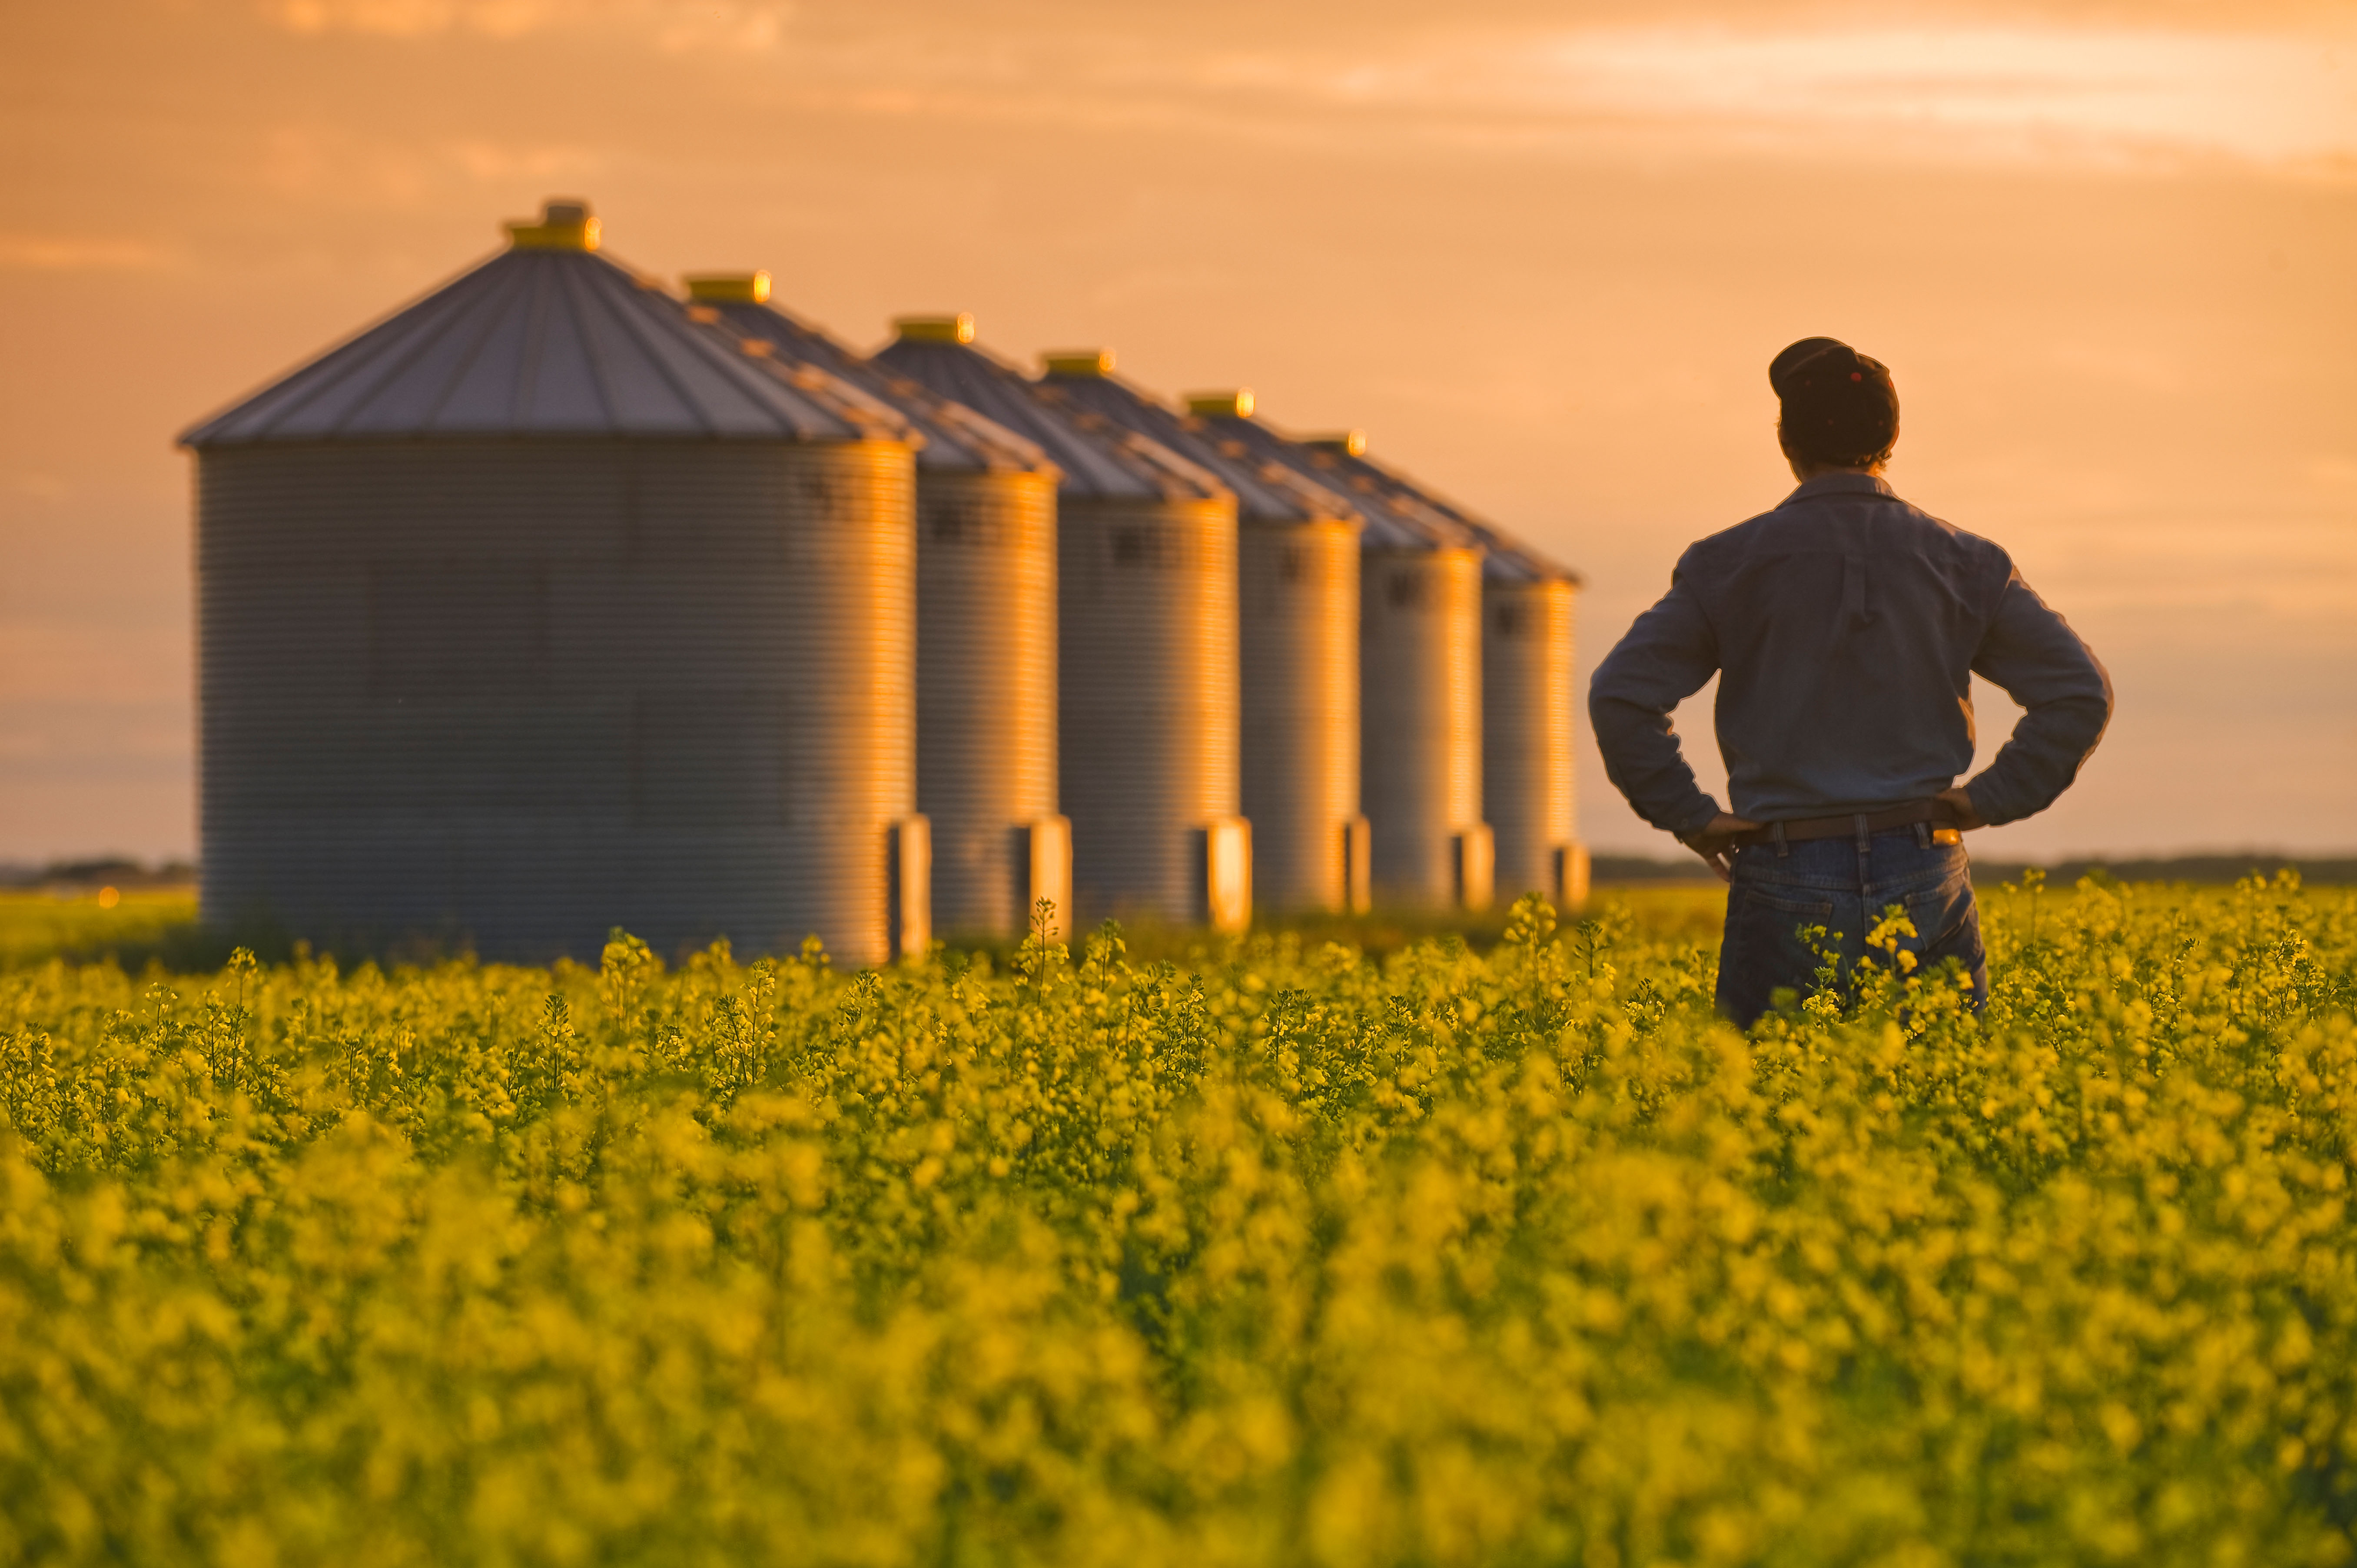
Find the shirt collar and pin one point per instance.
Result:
(1839, 483)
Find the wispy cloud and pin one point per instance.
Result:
(671, 24)
(321, 162)
(1980, 88)
(1974, 91)
(2006, 91)
(77, 252)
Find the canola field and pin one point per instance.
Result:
(1281, 1253)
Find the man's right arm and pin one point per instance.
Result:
(1666, 658)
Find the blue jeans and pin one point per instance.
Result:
(1837, 884)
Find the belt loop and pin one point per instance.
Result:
(1776, 831)
(1922, 835)
(1865, 839)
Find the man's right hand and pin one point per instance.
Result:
(1714, 842)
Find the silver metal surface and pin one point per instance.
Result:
(1298, 582)
(512, 694)
(541, 608)
(986, 626)
(1528, 702)
(1299, 648)
(550, 343)
(1147, 702)
(1420, 680)
(1149, 712)
(1419, 673)
(986, 688)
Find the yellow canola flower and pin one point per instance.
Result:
(1277, 1252)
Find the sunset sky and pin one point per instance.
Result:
(1541, 254)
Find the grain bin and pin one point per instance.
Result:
(1298, 590)
(985, 629)
(537, 609)
(1528, 702)
(1419, 675)
(1147, 607)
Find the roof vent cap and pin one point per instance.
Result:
(1079, 362)
(1350, 443)
(565, 225)
(958, 328)
(727, 288)
(1236, 404)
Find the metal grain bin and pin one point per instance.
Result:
(1528, 701)
(985, 628)
(1297, 581)
(1147, 606)
(1419, 676)
(537, 609)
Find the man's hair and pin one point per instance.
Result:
(1840, 409)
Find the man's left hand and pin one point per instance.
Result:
(1960, 801)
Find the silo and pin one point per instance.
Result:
(1419, 676)
(985, 629)
(1147, 612)
(1528, 701)
(536, 609)
(1297, 592)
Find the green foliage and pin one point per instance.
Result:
(1285, 1256)
(36, 927)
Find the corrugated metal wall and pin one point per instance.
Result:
(1299, 595)
(1527, 733)
(515, 692)
(1420, 728)
(986, 688)
(1149, 704)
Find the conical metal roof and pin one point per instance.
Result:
(1509, 559)
(1267, 492)
(547, 338)
(1100, 460)
(1393, 521)
(955, 438)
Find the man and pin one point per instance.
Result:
(1845, 626)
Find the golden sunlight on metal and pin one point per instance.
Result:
(728, 288)
(1077, 362)
(958, 328)
(1236, 404)
(563, 226)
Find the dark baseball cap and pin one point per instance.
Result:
(1840, 406)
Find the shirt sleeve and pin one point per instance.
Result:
(1666, 658)
(2031, 653)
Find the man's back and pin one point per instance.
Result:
(1845, 626)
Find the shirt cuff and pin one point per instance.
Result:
(1697, 820)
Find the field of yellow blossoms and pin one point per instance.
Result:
(1283, 1254)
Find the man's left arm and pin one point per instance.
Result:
(2031, 653)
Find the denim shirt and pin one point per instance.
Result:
(1846, 624)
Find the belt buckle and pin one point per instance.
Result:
(1946, 835)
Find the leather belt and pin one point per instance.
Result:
(1937, 813)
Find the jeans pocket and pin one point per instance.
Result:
(1948, 925)
(1941, 913)
(1796, 901)
(1765, 950)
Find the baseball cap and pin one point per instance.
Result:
(1839, 406)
